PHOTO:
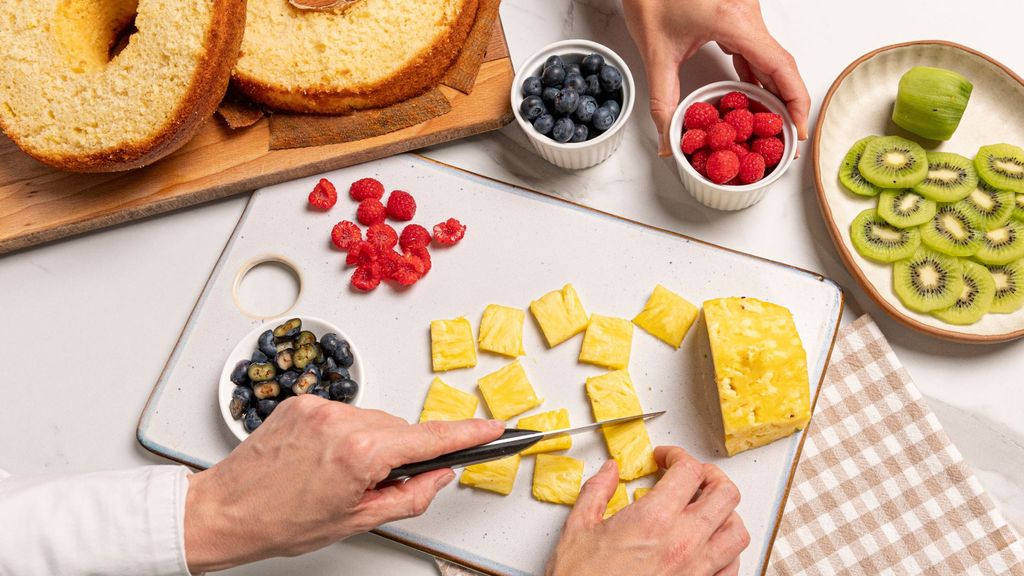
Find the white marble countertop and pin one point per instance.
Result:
(88, 323)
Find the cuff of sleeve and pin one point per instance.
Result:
(179, 489)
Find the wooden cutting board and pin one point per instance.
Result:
(39, 204)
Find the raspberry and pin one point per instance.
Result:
(770, 148)
(693, 140)
(389, 262)
(751, 168)
(723, 165)
(405, 269)
(423, 254)
(700, 115)
(323, 196)
(699, 161)
(720, 135)
(739, 149)
(371, 212)
(366, 277)
(767, 124)
(449, 233)
(382, 236)
(733, 101)
(414, 235)
(756, 107)
(345, 235)
(743, 121)
(361, 254)
(401, 206)
(365, 189)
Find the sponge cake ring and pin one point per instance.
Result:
(69, 99)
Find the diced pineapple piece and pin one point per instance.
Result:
(667, 316)
(557, 479)
(501, 330)
(760, 369)
(607, 342)
(508, 392)
(546, 421)
(452, 345)
(497, 475)
(612, 396)
(447, 403)
(619, 501)
(560, 315)
(640, 493)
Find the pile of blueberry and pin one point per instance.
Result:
(289, 361)
(573, 102)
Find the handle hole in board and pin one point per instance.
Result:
(267, 287)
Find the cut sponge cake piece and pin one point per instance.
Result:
(371, 54)
(68, 98)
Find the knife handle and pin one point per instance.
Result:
(474, 455)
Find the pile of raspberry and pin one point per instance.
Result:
(736, 143)
(383, 254)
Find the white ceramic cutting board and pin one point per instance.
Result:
(519, 245)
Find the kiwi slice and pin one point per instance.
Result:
(904, 208)
(878, 240)
(952, 231)
(1002, 166)
(951, 177)
(1002, 245)
(849, 173)
(990, 207)
(1018, 208)
(1009, 279)
(893, 162)
(927, 281)
(975, 299)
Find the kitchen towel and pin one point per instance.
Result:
(880, 489)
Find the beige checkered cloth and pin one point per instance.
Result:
(879, 488)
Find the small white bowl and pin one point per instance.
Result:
(730, 197)
(244, 349)
(574, 156)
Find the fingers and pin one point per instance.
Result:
(726, 544)
(594, 496)
(717, 502)
(683, 476)
(428, 440)
(663, 79)
(777, 71)
(405, 500)
(743, 69)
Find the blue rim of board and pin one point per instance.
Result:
(439, 549)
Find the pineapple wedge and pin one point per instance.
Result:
(447, 403)
(612, 396)
(557, 479)
(545, 421)
(640, 493)
(452, 345)
(508, 392)
(501, 330)
(496, 476)
(607, 342)
(560, 315)
(619, 501)
(667, 316)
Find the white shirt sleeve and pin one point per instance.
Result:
(126, 523)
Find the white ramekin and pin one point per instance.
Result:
(581, 154)
(730, 197)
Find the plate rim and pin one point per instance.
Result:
(826, 211)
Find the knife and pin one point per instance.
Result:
(512, 441)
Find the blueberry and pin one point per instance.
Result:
(330, 363)
(335, 374)
(337, 348)
(554, 60)
(258, 356)
(344, 355)
(285, 359)
(592, 63)
(593, 85)
(239, 375)
(572, 69)
(330, 342)
(261, 371)
(603, 118)
(241, 400)
(566, 101)
(548, 96)
(266, 344)
(585, 111)
(544, 124)
(613, 106)
(252, 420)
(265, 407)
(576, 82)
(532, 86)
(610, 77)
(580, 133)
(553, 76)
(344, 390)
(287, 379)
(532, 107)
(563, 130)
(305, 383)
(268, 389)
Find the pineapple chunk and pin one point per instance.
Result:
(619, 501)
(497, 475)
(557, 479)
(640, 493)
(447, 403)
(612, 396)
(545, 421)
(508, 392)
(501, 330)
(760, 369)
(560, 315)
(607, 342)
(667, 316)
(452, 345)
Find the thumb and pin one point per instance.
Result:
(404, 500)
(594, 496)
(663, 81)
